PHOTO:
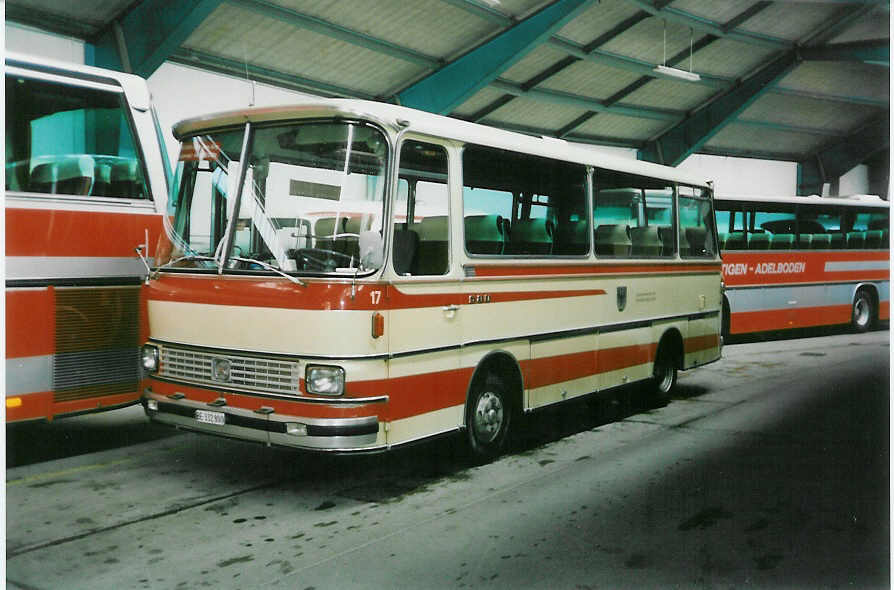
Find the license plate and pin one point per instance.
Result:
(206, 417)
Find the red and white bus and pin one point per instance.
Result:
(352, 276)
(86, 183)
(799, 262)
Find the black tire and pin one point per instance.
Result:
(862, 311)
(724, 320)
(488, 415)
(664, 376)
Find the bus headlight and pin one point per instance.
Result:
(323, 380)
(149, 358)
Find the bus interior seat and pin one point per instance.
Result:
(782, 241)
(324, 229)
(666, 234)
(836, 241)
(721, 240)
(102, 182)
(804, 241)
(855, 239)
(759, 241)
(66, 175)
(406, 246)
(821, 242)
(613, 240)
(125, 180)
(484, 234)
(17, 175)
(571, 237)
(874, 239)
(885, 243)
(737, 240)
(432, 254)
(694, 242)
(645, 241)
(531, 236)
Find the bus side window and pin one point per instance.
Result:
(421, 229)
(521, 205)
(632, 216)
(67, 139)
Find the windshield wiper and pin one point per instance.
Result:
(188, 257)
(270, 267)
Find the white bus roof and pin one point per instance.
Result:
(848, 201)
(134, 87)
(397, 117)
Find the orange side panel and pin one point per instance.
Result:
(34, 406)
(785, 319)
(30, 322)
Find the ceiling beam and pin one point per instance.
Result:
(791, 128)
(872, 102)
(239, 69)
(483, 10)
(334, 31)
(445, 89)
(838, 157)
(708, 26)
(876, 51)
(684, 139)
(143, 37)
(61, 25)
(676, 144)
(591, 104)
(564, 63)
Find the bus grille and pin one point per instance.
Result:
(249, 373)
(97, 342)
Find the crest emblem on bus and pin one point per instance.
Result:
(622, 298)
(220, 369)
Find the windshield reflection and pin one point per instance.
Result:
(312, 200)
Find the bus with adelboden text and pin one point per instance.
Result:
(351, 276)
(86, 184)
(804, 262)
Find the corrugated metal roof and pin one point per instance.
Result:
(781, 79)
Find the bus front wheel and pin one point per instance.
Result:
(862, 311)
(488, 415)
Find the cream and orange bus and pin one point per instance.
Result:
(804, 262)
(352, 276)
(86, 184)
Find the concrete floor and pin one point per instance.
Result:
(770, 469)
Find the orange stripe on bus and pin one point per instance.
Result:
(414, 395)
(324, 296)
(745, 268)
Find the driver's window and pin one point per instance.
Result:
(421, 228)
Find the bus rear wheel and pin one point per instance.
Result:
(862, 311)
(488, 415)
(664, 376)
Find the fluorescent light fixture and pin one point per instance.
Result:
(675, 73)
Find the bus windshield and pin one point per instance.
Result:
(312, 201)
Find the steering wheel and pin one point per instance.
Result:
(322, 259)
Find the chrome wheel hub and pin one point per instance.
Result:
(488, 418)
(861, 311)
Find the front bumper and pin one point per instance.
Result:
(263, 424)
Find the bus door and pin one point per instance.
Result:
(698, 241)
(424, 328)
